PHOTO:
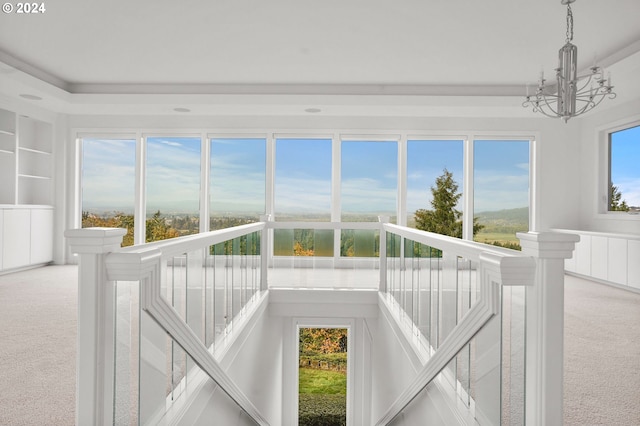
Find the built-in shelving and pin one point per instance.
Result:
(34, 162)
(26, 191)
(8, 164)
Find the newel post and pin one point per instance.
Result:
(383, 254)
(265, 245)
(96, 312)
(545, 326)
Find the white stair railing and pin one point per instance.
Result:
(489, 271)
(102, 263)
(537, 268)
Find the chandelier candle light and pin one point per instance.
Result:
(572, 95)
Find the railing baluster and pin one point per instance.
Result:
(178, 282)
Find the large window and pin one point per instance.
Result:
(501, 190)
(238, 178)
(303, 180)
(292, 179)
(369, 180)
(624, 170)
(427, 161)
(108, 184)
(173, 187)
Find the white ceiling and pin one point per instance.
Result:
(88, 51)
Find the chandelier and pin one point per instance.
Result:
(573, 94)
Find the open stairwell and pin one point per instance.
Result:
(198, 330)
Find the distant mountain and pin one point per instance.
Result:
(507, 222)
(519, 215)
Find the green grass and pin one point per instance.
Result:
(322, 410)
(322, 382)
(322, 398)
(495, 236)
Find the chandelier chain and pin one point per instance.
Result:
(569, 23)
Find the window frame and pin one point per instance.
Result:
(338, 136)
(603, 136)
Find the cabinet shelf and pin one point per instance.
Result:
(26, 160)
(34, 177)
(35, 151)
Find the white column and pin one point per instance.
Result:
(382, 286)
(94, 372)
(265, 245)
(545, 326)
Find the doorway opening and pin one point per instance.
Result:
(322, 376)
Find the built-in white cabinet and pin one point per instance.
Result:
(41, 250)
(26, 191)
(26, 237)
(16, 238)
(613, 258)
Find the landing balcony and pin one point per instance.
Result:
(177, 331)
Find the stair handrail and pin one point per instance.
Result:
(143, 263)
(147, 261)
(498, 267)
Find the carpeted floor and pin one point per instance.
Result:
(602, 355)
(38, 350)
(38, 346)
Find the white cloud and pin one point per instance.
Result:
(630, 190)
(367, 195)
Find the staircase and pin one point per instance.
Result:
(203, 329)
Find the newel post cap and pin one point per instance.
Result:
(94, 240)
(548, 245)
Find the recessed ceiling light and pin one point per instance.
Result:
(182, 110)
(30, 97)
(313, 110)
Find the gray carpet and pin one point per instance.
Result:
(602, 355)
(38, 346)
(38, 350)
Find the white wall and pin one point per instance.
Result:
(593, 174)
(254, 362)
(394, 365)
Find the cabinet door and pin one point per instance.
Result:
(16, 238)
(41, 236)
(617, 266)
(599, 257)
(583, 255)
(633, 264)
(1, 236)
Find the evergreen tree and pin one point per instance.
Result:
(614, 200)
(444, 218)
(158, 229)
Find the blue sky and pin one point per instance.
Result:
(173, 174)
(426, 160)
(108, 175)
(369, 177)
(625, 164)
(303, 175)
(238, 175)
(501, 175)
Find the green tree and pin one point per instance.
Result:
(615, 203)
(444, 218)
(323, 340)
(158, 229)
